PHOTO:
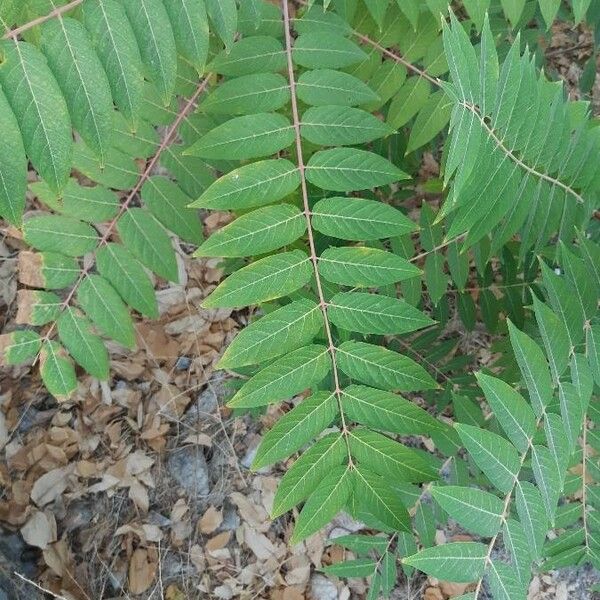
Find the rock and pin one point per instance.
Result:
(207, 402)
(231, 519)
(322, 588)
(16, 556)
(188, 468)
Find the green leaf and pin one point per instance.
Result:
(120, 170)
(532, 515)
(375, 314)
(512, 411)
(324, 503)
(360, 567)
(19, 346)
(258, 93)
(513, 9)
(169, 204)
(13, 166)
(435, 276)
(86, 348)
(461, 562)
(361, 544)
(326, 87)
(359, 220)
(104, 307)
(518, 546)
(60, 234)
(284, 378)
(144, 237)
(378, 9)
(190, 28)
(388, 458)
(223, 16)
(580, 8)
(47, 270)
(92, 204)
(250, 136)
(318, 18)
(252, 185)
(116, 46)
(141, 143)
(349, 169)
(37, 307)
(341, 126)
(317, 51)
(154, 34)
(57, 371)
(265, 279)
(364, 267)
(564, 302)
(127, 276)
(593, 351)
(250, 55)
(503, 583)
(534, 368)
(296, 428)
(476, 510)
(382, 501)
(496, 457)
(257, 232)
(477, 10)
(379, 367)
(386, 82)
(555, 337)
(432, 118)
(308, 470)
(549, 10)
(409, 100)
(548, 478)
(40, 109)
(384, 410)
(82, 79)
(287, 328)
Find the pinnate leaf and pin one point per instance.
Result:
(349, 169)
(105, 308)
(249, 136)
(384, 410)
(308, 470)
(265, 279)
(286, 377)
(324, 503)
(257, 232)
(285, 329)
(382, 368)
(252, 185)
(364, 267)
(296, 428)
(461, 562)
(375, 314)
(356, 219)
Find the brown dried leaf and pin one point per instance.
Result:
(211, 520)
(50, 486)
(142, 571)
(40, 530)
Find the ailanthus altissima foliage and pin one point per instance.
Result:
(309, 122)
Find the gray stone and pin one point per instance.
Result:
(187, 466)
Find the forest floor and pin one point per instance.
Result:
(140, 487)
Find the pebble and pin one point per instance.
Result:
(188, 468)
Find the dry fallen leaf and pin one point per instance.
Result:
(142, 571)
(40, 530)
(211, 520)
(50, 486)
